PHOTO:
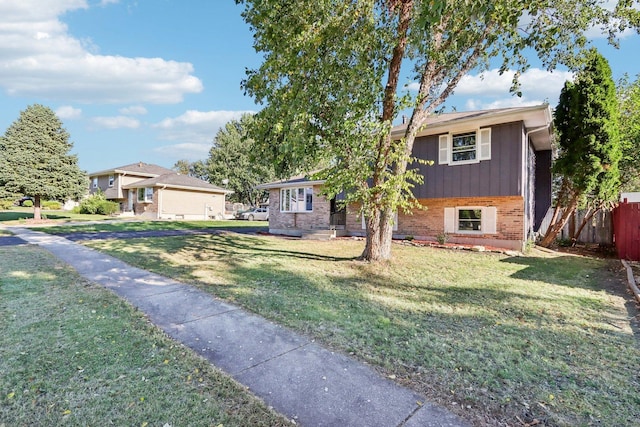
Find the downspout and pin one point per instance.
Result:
(126, 203)
(160, 201)
(526, 138)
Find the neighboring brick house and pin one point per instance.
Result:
(155, 192)
(490, 183)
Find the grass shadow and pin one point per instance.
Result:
(563, 270)
(233, 247)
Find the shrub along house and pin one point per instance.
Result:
(490, 183)
(154, 192)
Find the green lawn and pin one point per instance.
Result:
(18, 215)
(72, 353)
(58, 219)
(499, 340)
(137, 225)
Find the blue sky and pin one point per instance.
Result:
(153, 80)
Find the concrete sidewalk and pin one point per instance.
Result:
(307, 383)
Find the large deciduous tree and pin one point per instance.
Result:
(232, 163)
(197, 169)
(332, 81)
(35, 159)
(629, 97)
(587, 124)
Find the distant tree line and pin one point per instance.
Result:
(232, 164)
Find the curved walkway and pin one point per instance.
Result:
(308, 383)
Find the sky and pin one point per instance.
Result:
(154, 80)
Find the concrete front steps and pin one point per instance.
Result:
(318, 234)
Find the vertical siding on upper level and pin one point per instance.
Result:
(500, 176)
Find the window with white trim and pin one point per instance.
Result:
(111, 180)
(464, 147)
(297, 199)
(470, 220)
(95, 182)
(145, 195)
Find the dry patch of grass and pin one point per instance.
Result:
(543, 339)
(72, 353)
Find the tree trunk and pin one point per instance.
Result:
(572, 224)
(379, 236)
(378, 216)
(36, 208)
(556, 226)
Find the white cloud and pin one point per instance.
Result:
(187, 150)
(601, 32)
(491, 89)
(116, 122)
(541, 83)
(514, 101)
(39, 57)
(68, 112)
(534, 82)
(134, 110)
(198, 127)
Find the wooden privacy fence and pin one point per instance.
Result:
(626, 226)
(598, 230)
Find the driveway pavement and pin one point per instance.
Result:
(308, 383)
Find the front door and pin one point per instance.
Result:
(338, 214)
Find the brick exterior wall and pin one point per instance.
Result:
(149, 210)
(428, 224)
(294, 223)
(423, 224)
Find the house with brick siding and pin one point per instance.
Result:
(489, 184)
(153, 192)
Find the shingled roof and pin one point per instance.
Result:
(175, 180)
(139, 169)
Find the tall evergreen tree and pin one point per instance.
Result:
(35, 159)
(587, 125)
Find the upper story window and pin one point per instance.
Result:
(145, 195)
(111, 180)
(94, 182)
(464, 147)
(298, 199)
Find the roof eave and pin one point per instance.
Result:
(289, 184)
(180, 187)
(499, 116)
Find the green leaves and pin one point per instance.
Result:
(330, 74)
(587, 122)
(629, 99)
(35, 157)
(234, 162)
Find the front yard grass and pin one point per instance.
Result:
(22, 215)
(544, 339)
(72, 353)
(136, 225)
